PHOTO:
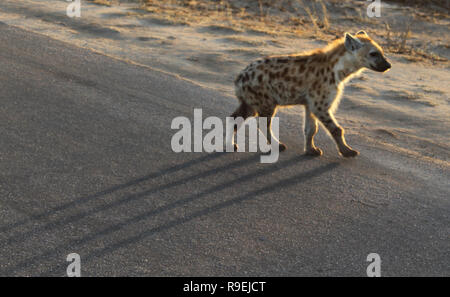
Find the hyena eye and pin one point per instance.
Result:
(374, 54)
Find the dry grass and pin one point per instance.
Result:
(307, 18)
(319, 19)
(265, 16)
(102, 2)
(396, 42)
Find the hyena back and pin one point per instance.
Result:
(315, 80)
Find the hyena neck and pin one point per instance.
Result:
(346, 66)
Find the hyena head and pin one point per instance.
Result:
(366, 52)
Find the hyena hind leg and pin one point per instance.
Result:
(269, 114)
(311, 128)
(245, 111)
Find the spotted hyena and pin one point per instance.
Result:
(315, 80)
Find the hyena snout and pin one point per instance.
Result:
(382, 66)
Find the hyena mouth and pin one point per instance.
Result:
(381, 68)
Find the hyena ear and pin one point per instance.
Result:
(362, 32)
(352, 44)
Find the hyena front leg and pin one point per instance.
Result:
(268, 114)
(327, 118)
(311, 128)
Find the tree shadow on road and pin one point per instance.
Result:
(108, 231)
(77, 201)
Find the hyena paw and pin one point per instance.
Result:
(235, 147)
(314, 151)
(281, 147)
(350, 153)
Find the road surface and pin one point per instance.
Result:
(87, 167)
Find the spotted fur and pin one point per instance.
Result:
(314, 79)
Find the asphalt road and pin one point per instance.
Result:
(87, 168)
